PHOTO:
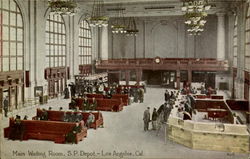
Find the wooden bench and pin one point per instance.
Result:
(124, 97)
(99, 96)
(115, 105)
(217, 113)
(201, 96)
(216, 108)
(58, 116)
(242, 105)
(47, 130)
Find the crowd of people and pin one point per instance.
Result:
(136, 94)
(161, 115)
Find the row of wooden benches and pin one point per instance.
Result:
(115, 104)
(54, 128)
(221, 109)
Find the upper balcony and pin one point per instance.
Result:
(206, 64)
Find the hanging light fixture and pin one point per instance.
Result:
(195, 13)
(97, 17)
(63, 7)
(118, 26)
(131, 29)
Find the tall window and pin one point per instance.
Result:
(247, 51)
(85, 43)
(235, 40)
(55, 41)
(11, 37)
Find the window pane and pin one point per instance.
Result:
(19, 35)
(12, 49)
(5, 33)
(12, 64)
(12, 19)
(20, 63)
(13, 34)
(5, 17)
(5, 64)
(12, 5)
(5, 48)
(19, 20)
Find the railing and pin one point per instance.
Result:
(184, 63)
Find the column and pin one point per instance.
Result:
(178, 76)
(138, 76)
(104, 44)
(189, 76)
(127, 76)
(221, 36)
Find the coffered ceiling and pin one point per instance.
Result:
(145, 8)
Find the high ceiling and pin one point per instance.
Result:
(142, 8)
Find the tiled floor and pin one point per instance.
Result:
(121, 137)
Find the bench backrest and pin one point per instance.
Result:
(58, 115)
(95, 96)
(100, 102)
(238, 104)
(55, 127)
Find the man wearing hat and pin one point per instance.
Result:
(6, 106)
(146, 118)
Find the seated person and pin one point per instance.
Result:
(85, 104)
(90, 120)
(71, 136)
(25, 117)
(93, 105)
(72, 117)
(109, 94)
(113, 90)
(79, 116)
(44, 115)
(17, 129)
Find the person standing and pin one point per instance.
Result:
(146, 118)
(6, 106)
(141, 94)
(154, 118)
(167, 96)
(66, 93)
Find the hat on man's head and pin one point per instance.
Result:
(148, 107)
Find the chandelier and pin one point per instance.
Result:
(97, 17)
(63, 7)
(118, 25)
(131, 29)
(195, 14)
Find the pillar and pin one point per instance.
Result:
(127, 76)
(138, 76)
(104, 44)
(178, 76)
(189, 76)
(221, 36)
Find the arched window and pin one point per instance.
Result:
(247, 50)
(85, 43)
(11, 38)
(55, 41)
(235, 41)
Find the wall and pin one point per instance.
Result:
(34, 16)
(164, 37)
